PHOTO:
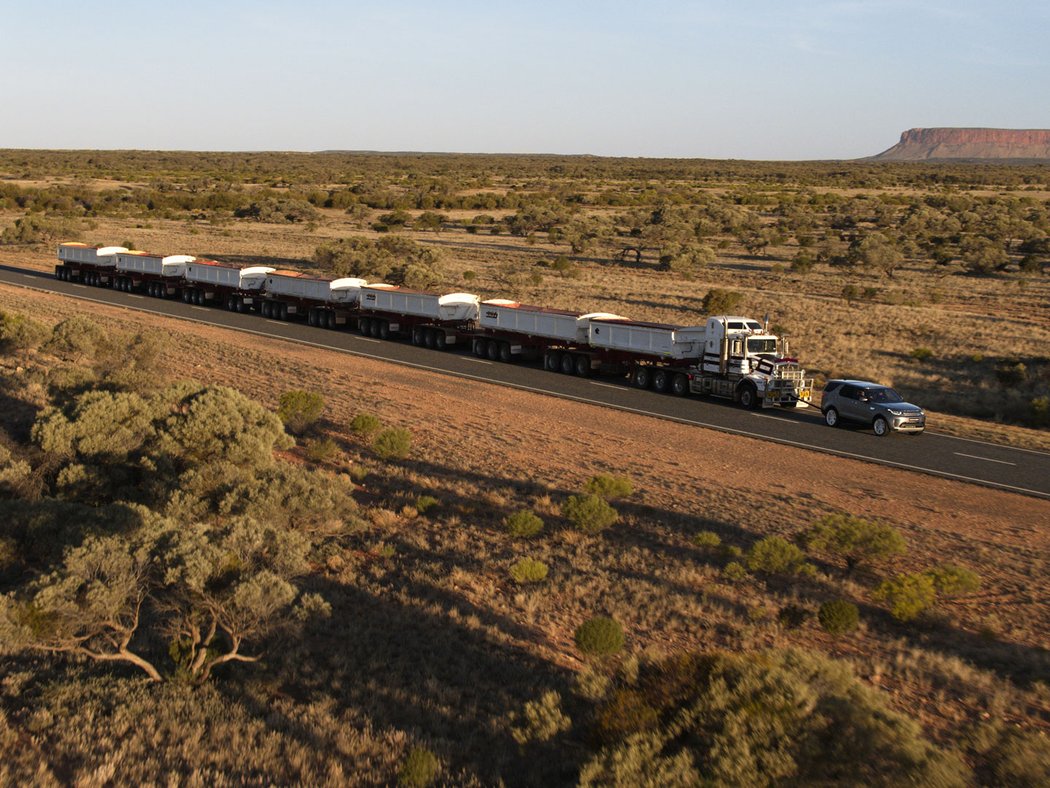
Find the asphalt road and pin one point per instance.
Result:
(1018, 470)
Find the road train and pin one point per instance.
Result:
(726, 356)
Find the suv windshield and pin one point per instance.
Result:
(884, 395)
(761, 346)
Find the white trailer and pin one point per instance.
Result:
(92, 265)
(326, 303)
(217, 284)
(158, 275)
(659, 340)
(432, 319)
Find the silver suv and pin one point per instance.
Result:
(867, 403)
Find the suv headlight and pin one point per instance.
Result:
(895, 412)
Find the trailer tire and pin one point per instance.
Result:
(661, 380)
(583, 366)
(679, 385)
(568, 363)
(492, 350)
(641, 377)
(440, 340)
(384, 330)
(553, 360)
(747, 396)
(331, 322)
(504, 353)
(374, 328)
(429, 338)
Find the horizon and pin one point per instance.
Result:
(802, 81)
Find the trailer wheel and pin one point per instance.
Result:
(492, 350)
(440, 340)
(641, 377)
(429, 339)
(330, 323)
(504, 353)
(374, 328)
(747, 395)
(583, 366)
(679, 385)
(661, 380)
(553, 360)
(568, 363)
(384, 330)
(364, 325)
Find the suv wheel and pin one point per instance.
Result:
(881, 426)
(831, 417)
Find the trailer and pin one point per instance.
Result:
(91, 265)
(156, 275)
(430, 319)
(326, 303)
(216, 284)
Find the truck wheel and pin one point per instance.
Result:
(492, 350)
(661, 380)
(881, 427)
(831, 417)
(384, 329)
(568, 363)
(440, 340)
(553, 360)
(748, 397)
(428, 338)
(641, 377)
(583, 366)
(679, 385)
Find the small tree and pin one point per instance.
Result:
(952, 580)
(365, 424)
(600, 636)
(718, 301)
(609, 487)
(420, 768)
(853, 539)
(300, 410)
(523, 523)
(528, 570)
(838, 616)
(774, 555)
(589, 513)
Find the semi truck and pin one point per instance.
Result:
(206, 282)
(90, 265)
(326, 303)
(156, 275)
(430, 319)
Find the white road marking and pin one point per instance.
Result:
(200, 308)
(606, 385)
(585, 400)
(361, 339)
(986, 443)
(275, 322)
(29, 276)
(775, 418)
(132, 295)
(986, 459)
(479, 361)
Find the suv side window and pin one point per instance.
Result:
(849, 392)
(832, 386)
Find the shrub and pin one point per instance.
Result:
(908, 596)
(708, 540)
(299, 410)
(543, 720)
(609, 487)
(21, 333)
(838, 616)
(589, 513)
(921, 353)
(774, 555)
(734, 571)
(425, 503)
(321, 449)
(365, 424)
(600, 636)
(952, 580)
(528, 570)
(393, 444)
(420, 768)
(718, 301)
(853, 539)
(523, 523)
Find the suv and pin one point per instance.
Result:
(872, 404)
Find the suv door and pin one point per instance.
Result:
(849, 403)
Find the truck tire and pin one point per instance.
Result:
(504, 353)
(748, 396)
(831, 417)
(661, 380)
(553, 360)
(568, 363)
(440, 340)
(384, 329)
(492, 350)
(641, 377)
(583, 366)
(881, 427)
(429, 338)
(679, 385)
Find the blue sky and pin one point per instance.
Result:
(747, 79)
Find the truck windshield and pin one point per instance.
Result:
(761, 346)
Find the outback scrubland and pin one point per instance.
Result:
(305, 568)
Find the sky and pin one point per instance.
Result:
(752, 79)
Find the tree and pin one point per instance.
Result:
(719, 301)
(853, 539)
(908, 596)
(876, 251)
(589, 513)
(299, 410)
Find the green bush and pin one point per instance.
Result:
(793, 616)
(393, 444)
(425, 503)
(523, 523)
(420, 769)
(541, 720)
(589, 513)
(721, 302)
(921, 353)
(708, 540)
(734, 571)
(952, 580)
(365, 424)
(609, 487)
(774, 555)
(21, 333)
(528, 570)
(838, 616)
(300, 410)
(600, 636)
(853, 539)
(908, 596)
(320, 449)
